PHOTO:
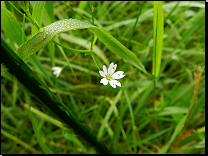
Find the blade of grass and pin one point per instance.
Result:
(24, 144)
(23, 29)
(37, 14)
(47, 34)
(132, 120)
(158, 38)
(11, 27)
(177, 130)
(49, 9)
(37, 132)
(45, 117)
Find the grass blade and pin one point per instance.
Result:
(175, 134)
(47, 34)
(37, 14)
(37, 133)
(24, 144)
(158, 37)
(11, 27)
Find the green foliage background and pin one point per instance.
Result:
(140, 117)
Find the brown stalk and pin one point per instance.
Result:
(197, 77)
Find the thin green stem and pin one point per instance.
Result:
(92, 39)
(28, 18)
(92, 10)
(95, 61)
(23, 29)
(75, 50)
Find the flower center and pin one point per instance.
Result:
(108, 77)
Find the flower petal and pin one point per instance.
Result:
(118, 83)
(56, 71)
(113, 83)
(104, 81)
(103, 73)
(55, 68)
(57, 75)
(105, 70)
(112, 68)
(118, 75)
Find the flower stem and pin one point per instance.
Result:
(92, 40)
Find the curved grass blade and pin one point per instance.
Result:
(46, 34)
(27, 77)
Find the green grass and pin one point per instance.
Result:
(143, 116)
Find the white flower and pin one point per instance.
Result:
(110, 76)
(57, 71)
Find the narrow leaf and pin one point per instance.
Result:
(158, 37)
(47, 34)
(11, 27)
(175, 134)
(37, 132)
(37, 14)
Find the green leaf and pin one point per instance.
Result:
(37, 14)
(11, 27)
(49, 9)
(158, 27)
(47, 34)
